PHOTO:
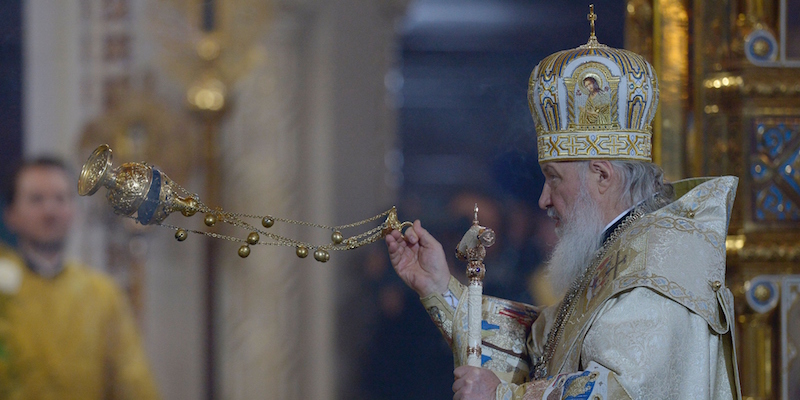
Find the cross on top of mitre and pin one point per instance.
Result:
(592, 17)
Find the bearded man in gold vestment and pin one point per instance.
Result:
(66, 330)
(640, 262)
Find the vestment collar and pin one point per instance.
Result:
(612, 226)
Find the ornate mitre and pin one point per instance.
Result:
(593, 102)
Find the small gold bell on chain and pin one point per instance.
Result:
(253, 238)
(322, 255)
(181, 234)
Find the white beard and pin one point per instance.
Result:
(579, 239)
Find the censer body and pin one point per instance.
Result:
(133, 188)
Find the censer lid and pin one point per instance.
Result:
(94, 170)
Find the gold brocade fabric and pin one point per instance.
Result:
(70, 337)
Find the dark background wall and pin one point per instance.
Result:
(465, 68)
(10, 91)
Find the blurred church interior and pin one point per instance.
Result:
(332, 111)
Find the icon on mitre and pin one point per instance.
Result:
(593, 93)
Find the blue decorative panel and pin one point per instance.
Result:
(775, 169)
(771, 204)
(790, 173)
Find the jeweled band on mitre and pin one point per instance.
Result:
(577, 146)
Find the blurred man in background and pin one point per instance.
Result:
(66, 330)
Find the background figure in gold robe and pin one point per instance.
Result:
(66, 331)
(597, 110)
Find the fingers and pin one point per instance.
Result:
(412, 234)
(393, 240)
(459, 388)
(420, 234)
(457, 385)
(425, 239)
(472, 383)
(410, 238)
(398, 250)
(461, 380)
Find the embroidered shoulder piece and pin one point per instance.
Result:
(679, 250)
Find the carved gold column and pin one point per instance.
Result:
(737, 109)
(670, 57)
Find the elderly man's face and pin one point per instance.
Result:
(42, 209)
(561, 188)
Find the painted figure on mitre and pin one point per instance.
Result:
(597, 108)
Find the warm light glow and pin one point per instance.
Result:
(207, 94)
(725, 81)
(208, 99)
(734, 242)
(208, 48)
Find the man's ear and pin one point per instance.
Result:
(602, 172)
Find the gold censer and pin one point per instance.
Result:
(143, 192)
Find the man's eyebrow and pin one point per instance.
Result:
(548, 168)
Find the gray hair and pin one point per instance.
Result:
(643, 182)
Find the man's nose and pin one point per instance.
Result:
(544, 199)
